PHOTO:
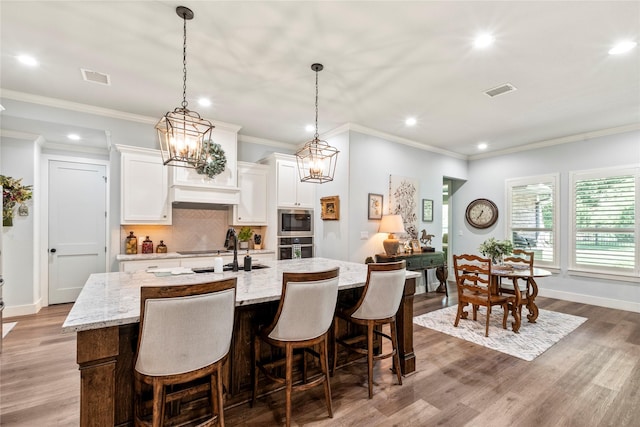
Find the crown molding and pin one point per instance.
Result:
(559, 141)
(263, 141)
(92, 109)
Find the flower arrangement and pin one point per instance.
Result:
(13, 192)
(496, 249)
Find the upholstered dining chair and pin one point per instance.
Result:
(377, 306)
(302, 321)
(185, 335)
(475, 287)
(520, 259)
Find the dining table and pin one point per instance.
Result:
(528, 274)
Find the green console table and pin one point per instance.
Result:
(423, 261)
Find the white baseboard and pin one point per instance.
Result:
(591, 300)
(22, 310)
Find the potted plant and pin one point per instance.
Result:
(496, 249)
(244, 236)
(257, 241)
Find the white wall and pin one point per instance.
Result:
(487, 179)
(21, 292)
(373, 160)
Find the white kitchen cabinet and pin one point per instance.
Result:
(143, 265)
(291, 193)
(252, 206)
(144, 187)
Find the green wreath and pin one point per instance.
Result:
(215, 161)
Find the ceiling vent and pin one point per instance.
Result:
(95, 77)
(501, 90)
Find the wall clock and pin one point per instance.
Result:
(481, 213)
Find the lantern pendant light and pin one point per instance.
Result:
(184, 136)
(317, 159)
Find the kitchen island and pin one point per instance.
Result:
(107, 311)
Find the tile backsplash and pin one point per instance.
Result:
(192, 230)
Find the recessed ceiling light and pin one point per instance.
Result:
(622, 47)
(204, 102)
(309, 128)
(73, 137)
(28, 60)
(411, 121)
(482, 146)
(483, 40)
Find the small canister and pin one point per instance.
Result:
(147, 246)
(247, 262)
(131, 244)
(161, 248)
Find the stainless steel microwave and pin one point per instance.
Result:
(295, 222)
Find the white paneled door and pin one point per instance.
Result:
(77, 227)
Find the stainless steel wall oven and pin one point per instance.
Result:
(295, 247)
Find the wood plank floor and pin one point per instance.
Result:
(590, 378)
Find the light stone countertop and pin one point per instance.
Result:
(113, 299)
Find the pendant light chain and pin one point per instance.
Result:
(316, 135)
(184, 64)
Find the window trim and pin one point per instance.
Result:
(554, 178)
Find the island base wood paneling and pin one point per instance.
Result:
(105, 359)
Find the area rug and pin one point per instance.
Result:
(7, 327)
(533, 339)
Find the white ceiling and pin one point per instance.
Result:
(384, 62)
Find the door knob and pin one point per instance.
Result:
(53, 251)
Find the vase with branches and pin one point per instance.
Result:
(13, 193)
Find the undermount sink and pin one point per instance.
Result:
(227, 267)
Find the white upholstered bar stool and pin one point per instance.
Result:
(303, 319)
(377, 306)
(185, 335)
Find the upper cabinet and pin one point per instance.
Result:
(252, 207)
(144, 190)
(187, 185)
(290, 192)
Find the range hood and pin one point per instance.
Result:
(208, 195)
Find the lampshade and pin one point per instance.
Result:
(391, 224)
(183, 135)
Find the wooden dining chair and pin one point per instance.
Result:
(520, 259)
(185, 335)
(475, 286)
(302, 321)
(377, 306)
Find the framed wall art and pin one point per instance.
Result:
(330, 208)
(375, 206)
(415, 246)
(427, 210)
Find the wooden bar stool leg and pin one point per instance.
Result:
(394, 344)
(370, 356)
(220, 398)
(158, 404)
(324, 365)
(335, 345)
(255, 356)
(289, 382)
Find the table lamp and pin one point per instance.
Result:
(391, 224)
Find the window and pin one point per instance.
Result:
(604, 226)
(532, 216)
